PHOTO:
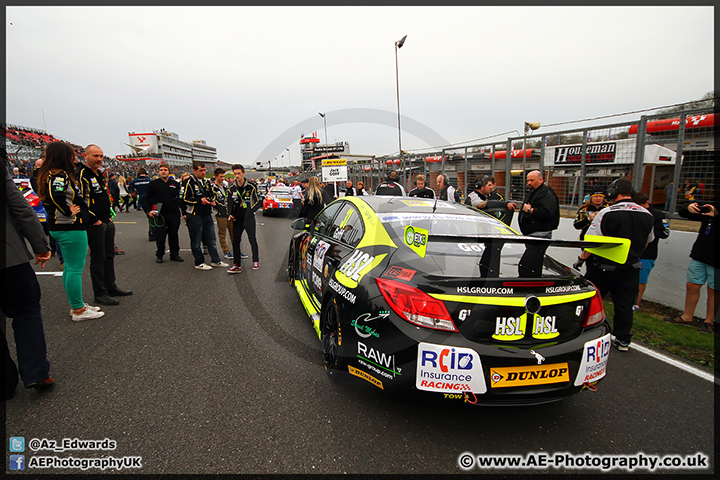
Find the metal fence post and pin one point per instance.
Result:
(678, 163)
(640, 154)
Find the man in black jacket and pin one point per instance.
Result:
(243, 202)
(101, 229)
(702, 266)
(661, 230)
(199, 199)
(623, 219)
(540, 215)
(391, 186)
(162, 202)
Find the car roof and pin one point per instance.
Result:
(387, 204)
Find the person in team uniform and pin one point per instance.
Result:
(391, 186)
(421, 190)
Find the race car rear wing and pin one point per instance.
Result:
(613, 248)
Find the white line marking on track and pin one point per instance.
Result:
(671, 361)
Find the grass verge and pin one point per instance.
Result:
(684, 341)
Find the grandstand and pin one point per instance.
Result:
(24, 145)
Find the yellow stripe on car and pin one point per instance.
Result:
(375, 233)
(309, 304)
(513, 301)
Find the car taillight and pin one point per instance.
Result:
(416, 306)
(596, 312)
(34, 200)
(270, 197)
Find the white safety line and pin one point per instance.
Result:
(54, 274)
(671, 361)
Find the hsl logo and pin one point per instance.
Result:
(513, 328)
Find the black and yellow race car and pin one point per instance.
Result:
(408, 293)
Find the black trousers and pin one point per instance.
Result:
(167, 226)
(247, 223)
(622, 284)
(101, 240)
(20, 300)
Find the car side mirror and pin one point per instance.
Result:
(300, 224)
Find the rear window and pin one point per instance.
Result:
(444, 224)
(457, 257)
(280, 191)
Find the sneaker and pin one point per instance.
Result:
(88, 314)
(204, 266)
(96, 309)
(118, 251)
(229, 256)
(622, 346)
(219, 264)
(42, 384)
(234, 269)
(243, 256)
(636, 308)
(256, 265)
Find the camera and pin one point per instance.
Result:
(705, 209)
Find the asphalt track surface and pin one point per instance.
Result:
(203, 372)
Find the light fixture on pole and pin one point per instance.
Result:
(398, 45)
(289, 162)
(531, 126)
(325, 124)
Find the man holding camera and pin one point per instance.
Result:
(702, 266)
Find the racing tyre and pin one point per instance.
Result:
(291, 264)
(331, 336)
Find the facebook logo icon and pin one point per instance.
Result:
(17, 462)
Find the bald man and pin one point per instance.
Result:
(539, 216)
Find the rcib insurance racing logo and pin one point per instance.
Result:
(594, 360)
(445, 368)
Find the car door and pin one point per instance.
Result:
(318, 248)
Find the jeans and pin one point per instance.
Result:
(21, 302)
(74, 244)
(201, 229)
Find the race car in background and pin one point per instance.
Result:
(278, 199)
(25, 187)
(424, 295)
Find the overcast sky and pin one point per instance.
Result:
(251, 80)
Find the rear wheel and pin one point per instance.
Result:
(331, 336)
(291, 264)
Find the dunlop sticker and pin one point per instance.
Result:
(530, 375)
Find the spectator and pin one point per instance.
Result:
(586, 213)
(162, 202)
(420, 189)
(661, 229)
(669, 193)
(361, 189)
(139, 185)
(101, 229)
(114, 190)
(349, 189)
(67, 207)
(314, 201)
(199, 199)
(391, 186)
(132, 193)
(124, 194)
(540, 215)
(20, 299)
(243, 202)
(702, 266)
(297, 196)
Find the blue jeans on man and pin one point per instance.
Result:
(202, 231)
